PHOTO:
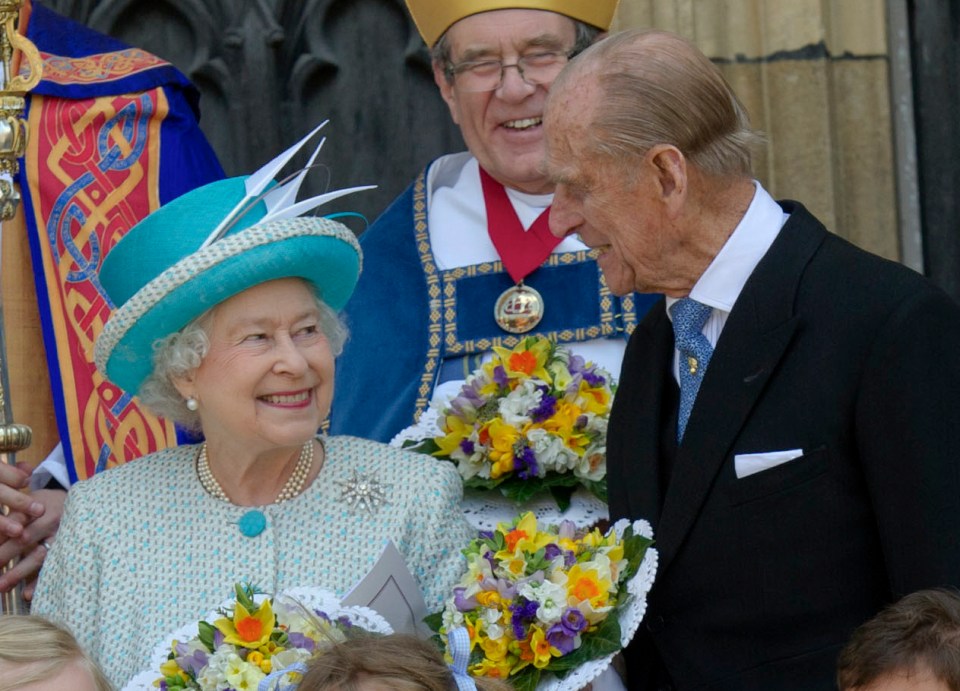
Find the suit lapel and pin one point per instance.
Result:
(753, 341)
(652, 357)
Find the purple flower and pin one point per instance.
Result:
(572, 621)
(552, 551)
(567, 530)
(561, 640)
(545, 410)
(467, 446)
(526, 464)
(578, 365)
(463, 604)
(594, 379)
(298, 640)
(489, 556)
(500, 376)
(580, 422)
(506, 589)
(486, 534)
(217, 639)
(523, 611)
(467, 402)
(193, 662)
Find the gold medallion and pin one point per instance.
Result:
(519, 309)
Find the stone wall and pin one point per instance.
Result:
(814, 76)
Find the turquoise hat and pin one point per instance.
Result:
(185, 258)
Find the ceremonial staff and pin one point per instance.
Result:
(13, 141)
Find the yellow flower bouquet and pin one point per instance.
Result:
(547, 607)
(531, 420)
(253, 639)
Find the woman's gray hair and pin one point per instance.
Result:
(585, 35)
(182, 352)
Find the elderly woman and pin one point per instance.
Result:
(235, 336)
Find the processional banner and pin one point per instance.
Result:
(113, 135)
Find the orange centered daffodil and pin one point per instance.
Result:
(247, 629)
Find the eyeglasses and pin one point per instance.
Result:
(535, 69)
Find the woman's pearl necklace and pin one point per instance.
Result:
(292, 487)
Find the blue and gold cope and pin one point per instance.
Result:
(413, 324)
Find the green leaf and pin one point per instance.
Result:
(597, 488)
(605, 640)
(499, 541)
(537, 562)
(427, 446)
(245, 595)
(634, 549)
(520, 491)
(526, 679)
(562, 495)
(434, 621)
(206, 635)
(484, 483)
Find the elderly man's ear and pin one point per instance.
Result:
(446, 90)
(670, 171)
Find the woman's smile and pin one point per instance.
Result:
(299, 399)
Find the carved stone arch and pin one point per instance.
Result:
(270, 70)
(189, 24)
(227, 49)
(362, 64)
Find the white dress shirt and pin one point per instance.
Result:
(722, 282)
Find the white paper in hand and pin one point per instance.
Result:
(391, 590)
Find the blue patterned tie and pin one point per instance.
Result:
(695, 350)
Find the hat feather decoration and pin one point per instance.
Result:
(214, 242)
(279, 199)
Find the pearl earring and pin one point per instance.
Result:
(192, 404)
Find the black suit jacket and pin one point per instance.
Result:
(829, 349)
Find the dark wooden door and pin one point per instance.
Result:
(270, 70)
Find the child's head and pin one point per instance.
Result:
(36, 655)
(384, 663)
(912, 644)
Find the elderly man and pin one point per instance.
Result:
(464, 260)
(785, 417)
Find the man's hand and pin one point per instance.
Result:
(18, 508)
(32, 521)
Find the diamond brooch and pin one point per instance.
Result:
(363, 492)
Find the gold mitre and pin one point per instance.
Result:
(433, 17)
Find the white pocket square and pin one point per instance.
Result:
(749, 463)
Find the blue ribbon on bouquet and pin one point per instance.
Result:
(458, 642)
(267, 683)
